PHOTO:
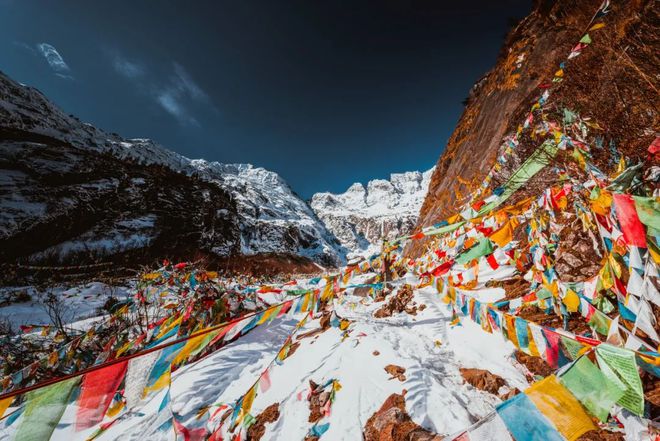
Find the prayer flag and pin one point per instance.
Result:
(557, 404)
(43, 409)
(588, 384)
(97, 389)
(525, 421)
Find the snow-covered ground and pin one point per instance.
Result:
(79, 303)
(426, 345)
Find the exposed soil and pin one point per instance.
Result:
(317, 399)
(397, 303)
(602, 435)
(392, 423)
(536, 365)
(258, 428)
(395, 371)
(483, 380)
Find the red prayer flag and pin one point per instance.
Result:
(189, 434)
(97, 389)
(442, 269)
(492, 262)
(632, 228)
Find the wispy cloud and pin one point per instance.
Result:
(55, 60)
(179, 91)
(185, 84)
(175, 91)
(25, 46)
(126, 68)
(172, 103)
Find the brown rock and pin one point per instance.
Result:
(602, 435)
(535, 365)
(396, 372)
(397, 303)
(258, 428)
(483, 380)
(392, 423)
(512, 393)
(623, 101)
(376, 353)
(317, 400)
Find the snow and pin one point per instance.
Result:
(126, 234)
(363, 216)
(81, 302)
(437, 398)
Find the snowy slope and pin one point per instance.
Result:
(56, 170)
(362, 217)
(437, 397)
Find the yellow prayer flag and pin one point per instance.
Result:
(4, 405)
(190, 346)
(557, 404)
(505, 234)
(597, 26)
(571, 300)
(248, 399)
(267, 315)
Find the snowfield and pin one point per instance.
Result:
(425, 345)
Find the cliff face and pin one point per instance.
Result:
(613, 84)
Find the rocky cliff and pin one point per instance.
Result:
(612, 85)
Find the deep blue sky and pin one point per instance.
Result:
(326, 93)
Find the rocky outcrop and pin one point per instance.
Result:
(363, 216)
(397, 303)
(613, 83)
(392, 423)
(258, 428)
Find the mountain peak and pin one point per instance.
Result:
(362, 217)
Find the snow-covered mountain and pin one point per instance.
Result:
(70, 192)
(362, 217)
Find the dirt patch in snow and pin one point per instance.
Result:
(483, 380)
(397, 303)
(395, 371)
(258, 428)
(602, 435)
(576, 324)
(324, 325)
(292, 349)
(536, 365)
(392, 423)
(317, 399)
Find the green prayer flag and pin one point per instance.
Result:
(648, 210)
(572, 347)
(586, 39)
(620, 367)
(541, 157)
(596, 393)
(43, 410)
(600, 322)
(483, 248)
